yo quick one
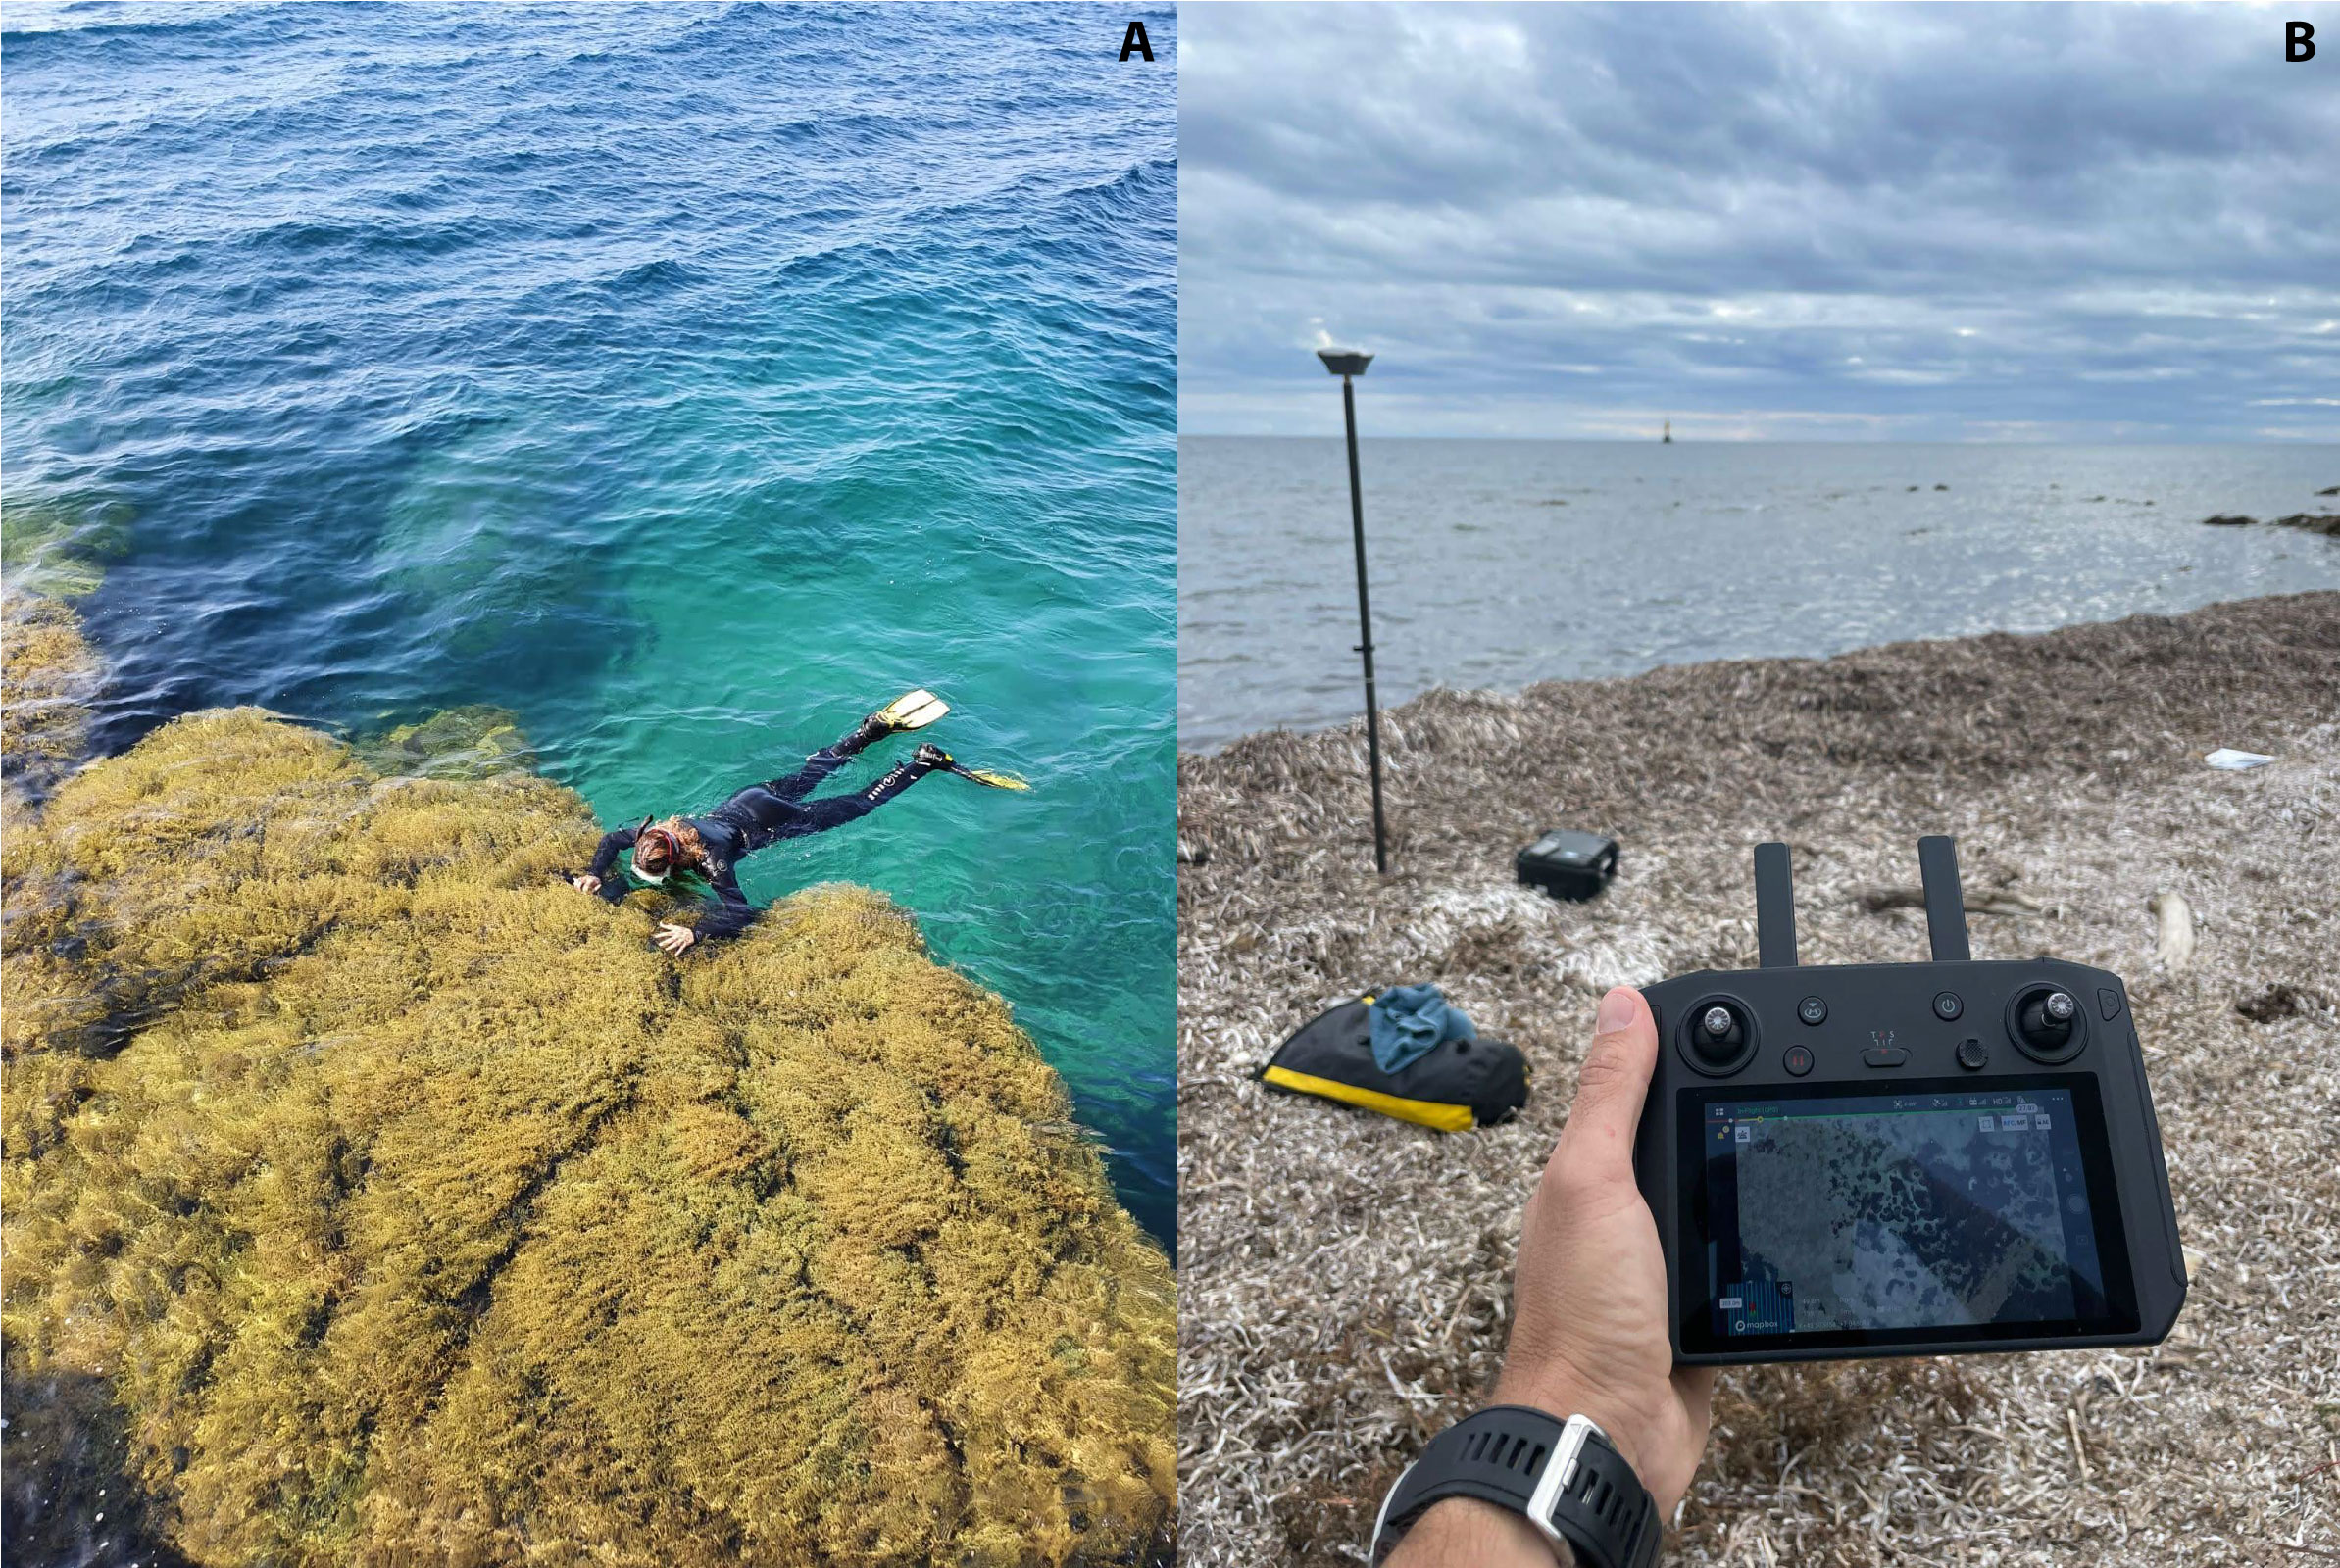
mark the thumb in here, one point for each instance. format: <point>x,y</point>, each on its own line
<point>1611,1088</point>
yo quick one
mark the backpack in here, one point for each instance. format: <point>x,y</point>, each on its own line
<point>1459,1084</point>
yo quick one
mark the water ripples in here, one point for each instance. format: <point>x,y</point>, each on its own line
<point>682,378</point>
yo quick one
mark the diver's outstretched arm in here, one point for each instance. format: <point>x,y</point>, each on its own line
<point>732,913</point>
<point>605,861</point>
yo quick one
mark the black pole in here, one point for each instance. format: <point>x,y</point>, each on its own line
<point>1365,624</point>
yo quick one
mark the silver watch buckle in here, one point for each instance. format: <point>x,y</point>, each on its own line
<point>1558,1471</point>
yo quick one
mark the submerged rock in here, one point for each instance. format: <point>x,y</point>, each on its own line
<point>57,546</point>
<point>475,741</point>
<point>413,1208</point>
<point>2228,520</point>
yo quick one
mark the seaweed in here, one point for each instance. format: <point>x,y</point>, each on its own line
<point>413,1207</point>
<point>1359,1269</point>
<point>58,546</point>
<point>47,674</point>
<point>474,741</point>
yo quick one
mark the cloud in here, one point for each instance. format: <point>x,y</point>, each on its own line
<point>1913,222</point>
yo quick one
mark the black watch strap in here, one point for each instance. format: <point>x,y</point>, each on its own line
<point>1564,1476</point>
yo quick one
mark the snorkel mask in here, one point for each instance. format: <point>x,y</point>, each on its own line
<point>655,854</point>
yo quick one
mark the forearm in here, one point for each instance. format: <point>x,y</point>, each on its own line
<point>606,856</point>
<point>1463,1533</point>
<point>730,915</point>
<point>1588,1319</point>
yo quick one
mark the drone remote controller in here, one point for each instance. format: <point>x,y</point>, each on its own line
<point>1907,1159</point>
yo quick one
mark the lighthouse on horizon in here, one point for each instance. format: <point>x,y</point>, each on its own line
<point>1667,438</point>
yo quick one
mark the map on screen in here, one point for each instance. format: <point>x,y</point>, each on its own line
<point>1876,1213</point>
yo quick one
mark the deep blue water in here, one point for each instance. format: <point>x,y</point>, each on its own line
<point>1497,564</point>
<point>686,378</point>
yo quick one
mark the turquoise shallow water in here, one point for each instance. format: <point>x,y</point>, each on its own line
<point>688,380</point>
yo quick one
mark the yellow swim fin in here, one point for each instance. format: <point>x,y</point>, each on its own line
<point>911,710</point>
<point>930,754</point>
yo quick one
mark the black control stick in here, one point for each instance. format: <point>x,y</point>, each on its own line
<point>1721,1036</point>
<point>2045,1019</point>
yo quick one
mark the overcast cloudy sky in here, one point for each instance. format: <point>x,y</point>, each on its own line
<point>1918,222</point>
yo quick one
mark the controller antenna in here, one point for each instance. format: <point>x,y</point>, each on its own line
<point>1945,905</point>
<point>1775,908</point>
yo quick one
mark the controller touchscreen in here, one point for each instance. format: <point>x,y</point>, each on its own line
<point>1865,1212</point>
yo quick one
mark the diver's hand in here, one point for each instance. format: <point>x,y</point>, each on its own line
<point>588,883</point>
<point>675,938</point>
<point>1589,1313</point>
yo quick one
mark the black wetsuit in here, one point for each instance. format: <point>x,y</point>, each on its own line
<point>758,816</point>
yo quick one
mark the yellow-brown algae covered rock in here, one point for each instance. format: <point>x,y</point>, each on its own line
<point>46,675</point>
<point>415,1209</point>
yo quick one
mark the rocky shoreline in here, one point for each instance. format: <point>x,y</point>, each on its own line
<point>1344,1278</point>
<point>2326,523</point>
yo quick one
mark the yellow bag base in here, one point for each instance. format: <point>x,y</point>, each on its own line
<point>1426,1112</point>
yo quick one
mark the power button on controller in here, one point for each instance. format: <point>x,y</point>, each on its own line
<point>1947,1006</point>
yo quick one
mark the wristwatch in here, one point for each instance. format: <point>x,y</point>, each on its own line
<point>1565,1476</point>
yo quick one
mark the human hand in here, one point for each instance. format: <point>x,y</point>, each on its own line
<point>1588,1308</point>
<point>675,938</point>
<point>588,883</point>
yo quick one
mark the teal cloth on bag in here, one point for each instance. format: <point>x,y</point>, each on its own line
<point>1409,1021</point>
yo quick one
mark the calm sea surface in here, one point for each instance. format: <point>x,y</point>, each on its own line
<point>686,378</point>
<point>1497,564</point>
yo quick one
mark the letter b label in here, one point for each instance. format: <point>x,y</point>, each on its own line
<point>2299,40</point>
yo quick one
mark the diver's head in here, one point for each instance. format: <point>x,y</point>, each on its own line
<point>657,851</point>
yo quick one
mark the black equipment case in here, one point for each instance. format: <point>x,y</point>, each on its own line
<point>1568,864</point>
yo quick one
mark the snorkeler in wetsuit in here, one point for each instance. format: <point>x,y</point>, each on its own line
<point>700,855</point>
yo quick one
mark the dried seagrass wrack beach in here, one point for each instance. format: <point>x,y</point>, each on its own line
<point>1345,1276</point>
<point>373,1196</point>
